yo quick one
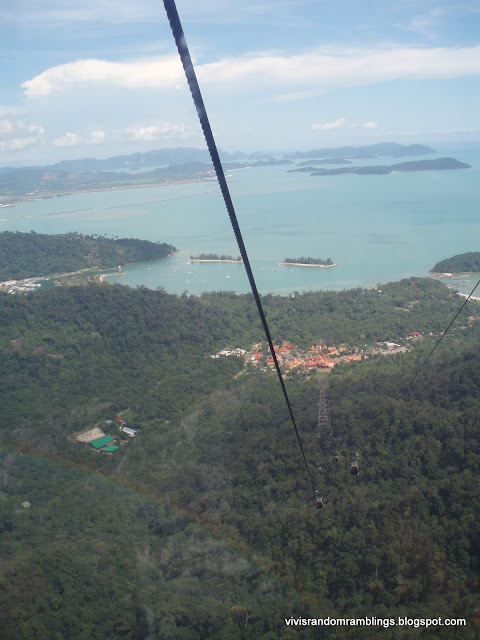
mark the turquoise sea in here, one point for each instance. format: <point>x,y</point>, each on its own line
<point>375,228</point>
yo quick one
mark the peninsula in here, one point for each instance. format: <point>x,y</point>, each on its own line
<point>308,262</point>
<point>30,255</point>
<point>214,257</point>
<point>461,263</point>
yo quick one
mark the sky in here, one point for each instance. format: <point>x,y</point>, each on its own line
<point>99,78</point>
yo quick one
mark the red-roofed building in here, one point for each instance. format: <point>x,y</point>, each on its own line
<point>328,364</point>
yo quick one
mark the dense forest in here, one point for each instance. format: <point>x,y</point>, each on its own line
<point>463,262</point>
<point>203,527</point>
<point>216,256</point>
<point>26,255</point>
<point>308,260</point>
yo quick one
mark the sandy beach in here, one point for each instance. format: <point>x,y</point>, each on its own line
<point>301,264</point>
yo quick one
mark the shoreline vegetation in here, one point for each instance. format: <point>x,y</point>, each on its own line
<point>214,257</point>
<point>461,263</point>
<point>308,262</point>
<point>33,255</point>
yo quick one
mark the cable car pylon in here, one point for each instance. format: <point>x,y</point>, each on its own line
<point>322,410</point>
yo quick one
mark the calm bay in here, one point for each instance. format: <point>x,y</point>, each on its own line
<point>376,228</point>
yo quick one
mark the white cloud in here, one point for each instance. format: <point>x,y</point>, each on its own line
<point>162,131</point>
<point>17,135</point>
<point>96,137</point>
<point>155,73</point>
<point>68,140</point>
<point>370,125</point>
<point>329,126</point>
<point>321,69</point>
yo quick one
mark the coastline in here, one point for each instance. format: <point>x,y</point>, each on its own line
<point>464,295</point>
<point>49,196</point>
<point>453,274</point>
<point>301,264</point>
<point>94,271</point>
<point>102,276</point>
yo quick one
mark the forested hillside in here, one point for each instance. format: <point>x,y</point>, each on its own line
<point>463,262</point>
<point>203,527</point>
<point>26,255</point>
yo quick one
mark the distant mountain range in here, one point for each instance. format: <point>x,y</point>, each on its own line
<point>370,151</point>
<point>182,155</point>
<point>139,161</point>
<point>163,166</point>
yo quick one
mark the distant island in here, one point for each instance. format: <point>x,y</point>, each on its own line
<point>215,257</point>
<point>308,163</point>
<point>308,262</point>
<point>30,255</point>
<point>392,149</point>
<point>414,165</point>
<point>461,263</point>
<point>166,166</point>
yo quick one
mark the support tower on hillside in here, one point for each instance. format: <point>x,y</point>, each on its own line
<point>322,410</point>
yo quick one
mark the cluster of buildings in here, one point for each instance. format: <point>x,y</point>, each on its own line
<point>106,444</point>
<point>291,357</point>
<point>22,286</point>
<point>227,352</point>
<point>122,425</point>
<point>100,442</point>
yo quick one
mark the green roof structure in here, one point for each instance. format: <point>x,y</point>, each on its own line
<point>112,447</point>
<point>101,442</point>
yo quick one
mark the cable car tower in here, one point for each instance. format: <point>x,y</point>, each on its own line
<point>322,410</point>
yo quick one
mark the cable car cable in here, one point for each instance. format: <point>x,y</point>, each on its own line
<point>184,54</point>
<point>436,344</point>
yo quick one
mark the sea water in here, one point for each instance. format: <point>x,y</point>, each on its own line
<point>376,228</point>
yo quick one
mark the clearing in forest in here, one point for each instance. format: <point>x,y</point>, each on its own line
<point>89,435</point>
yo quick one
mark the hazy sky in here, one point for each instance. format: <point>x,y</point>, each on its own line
<point>99,78</point>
